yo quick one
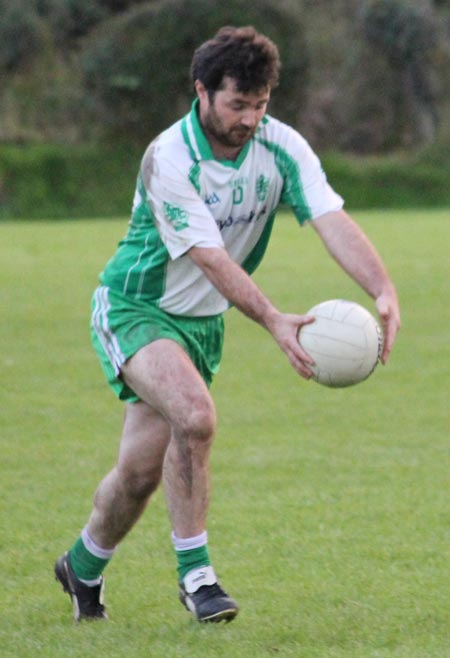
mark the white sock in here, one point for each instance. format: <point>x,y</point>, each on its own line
<point>188,543</point>
<point>103,553</point>
<point>91,546</point>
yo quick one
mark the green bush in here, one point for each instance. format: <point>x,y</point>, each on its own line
<point>137,64</point>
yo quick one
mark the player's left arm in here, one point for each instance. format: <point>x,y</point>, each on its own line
<point>353,251</point>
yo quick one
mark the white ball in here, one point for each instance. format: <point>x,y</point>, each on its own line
<point>345,342</point>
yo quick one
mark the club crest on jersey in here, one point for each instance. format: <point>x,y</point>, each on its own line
<point>177,216</point>
<point>262,187</point>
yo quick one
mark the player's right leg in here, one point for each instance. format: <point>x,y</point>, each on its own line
<point>124,493</point>
<point>119,501</point>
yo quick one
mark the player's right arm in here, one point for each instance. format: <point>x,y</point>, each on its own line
<point>200,239</point>
<point>236,285</point>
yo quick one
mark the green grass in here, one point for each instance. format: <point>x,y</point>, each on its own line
<point>330,517</point>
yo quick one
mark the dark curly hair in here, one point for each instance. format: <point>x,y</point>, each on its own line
<point>241,53</point>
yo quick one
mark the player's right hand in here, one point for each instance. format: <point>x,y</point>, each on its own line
<point>285,329</point>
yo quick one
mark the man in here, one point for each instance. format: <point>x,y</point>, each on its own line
<point>205,202</point>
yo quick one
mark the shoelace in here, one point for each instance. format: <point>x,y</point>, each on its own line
<point>208,591</point>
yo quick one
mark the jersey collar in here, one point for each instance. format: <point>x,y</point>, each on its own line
<point>198,144</point>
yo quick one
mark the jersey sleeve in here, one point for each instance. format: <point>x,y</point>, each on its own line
<point>182,218</point>
<point>305,188</point>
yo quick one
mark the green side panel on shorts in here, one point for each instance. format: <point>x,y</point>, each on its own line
<point>121,390</point>
<point>293,194</point>
<point>139,265</point>
<point>256,255</point>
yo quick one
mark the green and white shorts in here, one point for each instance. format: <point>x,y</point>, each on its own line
<point>121,326</point>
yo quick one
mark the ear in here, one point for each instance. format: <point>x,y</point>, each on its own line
<point>202,94</point>
<point>200,88</point>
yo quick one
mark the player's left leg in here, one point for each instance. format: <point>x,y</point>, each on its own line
<point>163,374</point>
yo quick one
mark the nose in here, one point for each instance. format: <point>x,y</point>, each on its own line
<point>249,118</point>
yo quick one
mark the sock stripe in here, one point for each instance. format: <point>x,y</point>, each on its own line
<point>189,543</point>
<point>91,546</point>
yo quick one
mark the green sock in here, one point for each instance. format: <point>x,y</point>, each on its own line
<point>192,559</point>
<point>85,565</point>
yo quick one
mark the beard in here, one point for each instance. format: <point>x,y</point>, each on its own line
<point>236,136</point>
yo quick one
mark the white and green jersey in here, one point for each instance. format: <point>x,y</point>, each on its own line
<point>185,197</point>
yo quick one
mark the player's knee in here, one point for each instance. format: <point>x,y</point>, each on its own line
<point>199,422</point>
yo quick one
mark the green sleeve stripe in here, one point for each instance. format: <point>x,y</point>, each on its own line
<point>293,193</point>
<point>185,133</point>
<point>194,172</point>
<point>194,176</point>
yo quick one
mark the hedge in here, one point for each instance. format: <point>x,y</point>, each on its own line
<point>388,182</point>
<point>96,181</point>
<point>55,181</point>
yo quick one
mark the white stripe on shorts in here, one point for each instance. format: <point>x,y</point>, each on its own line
<point>101,326</point>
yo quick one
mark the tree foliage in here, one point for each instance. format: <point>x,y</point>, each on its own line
<point>137,65</point>
<point>72,19</point>
<point>405,33</point>
<point>22,34</point>
<point>362,75</point>
<point>394,83</point>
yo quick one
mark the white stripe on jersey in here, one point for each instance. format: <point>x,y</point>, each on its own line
<point>101,326</point>
<point>192,139</point>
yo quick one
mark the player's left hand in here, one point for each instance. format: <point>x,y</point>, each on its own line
<point>389,312</point>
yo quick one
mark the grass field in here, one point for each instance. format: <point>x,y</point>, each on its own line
<point>330,518</point>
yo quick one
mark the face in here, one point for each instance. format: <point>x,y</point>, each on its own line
<point>232,117</point>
